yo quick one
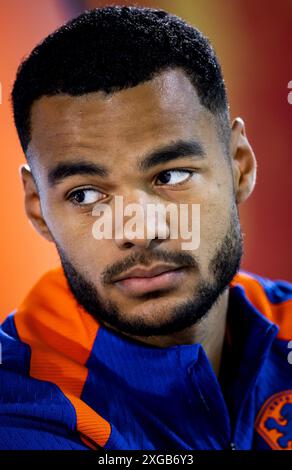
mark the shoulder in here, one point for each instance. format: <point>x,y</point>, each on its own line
<point>34,414</point>
<point>272,298</point>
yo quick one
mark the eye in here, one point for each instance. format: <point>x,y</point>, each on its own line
<point>84,196</point>
<point>173,177</point>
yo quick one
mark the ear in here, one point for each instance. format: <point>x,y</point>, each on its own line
<point>32,202</point>
<point>243,161</point>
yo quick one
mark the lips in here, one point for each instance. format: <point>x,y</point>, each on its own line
<point>140,272</point>
<point>140,281</point>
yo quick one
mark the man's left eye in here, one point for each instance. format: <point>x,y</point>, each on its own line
<point>83,197</point>
<point>172,177</point>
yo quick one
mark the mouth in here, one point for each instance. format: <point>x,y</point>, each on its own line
<point>140,281</point>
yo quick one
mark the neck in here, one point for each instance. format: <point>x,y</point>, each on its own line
<point>209,332</point>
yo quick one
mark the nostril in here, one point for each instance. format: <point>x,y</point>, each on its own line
<point>128,245</point>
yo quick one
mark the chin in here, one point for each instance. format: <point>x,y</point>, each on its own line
<point>151,309</point>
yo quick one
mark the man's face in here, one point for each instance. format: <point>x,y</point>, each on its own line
<point>116,133</point>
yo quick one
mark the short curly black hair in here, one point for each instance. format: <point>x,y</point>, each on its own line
<point>113,48</point>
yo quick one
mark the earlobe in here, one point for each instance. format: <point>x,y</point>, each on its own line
<point>243,161</point>
<point>32,202</point>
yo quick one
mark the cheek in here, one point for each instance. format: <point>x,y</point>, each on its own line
<point>69,225</point>
<point>215,211</point>
<point>89,257</point>
<point>73,234</point>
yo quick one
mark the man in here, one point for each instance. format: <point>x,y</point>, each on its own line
<point>135,342</point>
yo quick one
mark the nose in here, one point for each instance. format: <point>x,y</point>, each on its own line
<point>140,221</point>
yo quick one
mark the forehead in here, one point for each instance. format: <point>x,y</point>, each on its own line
<point>153,112</point>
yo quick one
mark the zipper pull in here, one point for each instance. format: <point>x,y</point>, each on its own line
<point>231,446</point>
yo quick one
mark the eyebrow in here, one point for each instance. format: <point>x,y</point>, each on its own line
<point>66,169</point>
<point>174,151</point>
<point>170,152</point>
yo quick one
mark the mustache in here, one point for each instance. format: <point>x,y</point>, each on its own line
<point>146,259</point>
